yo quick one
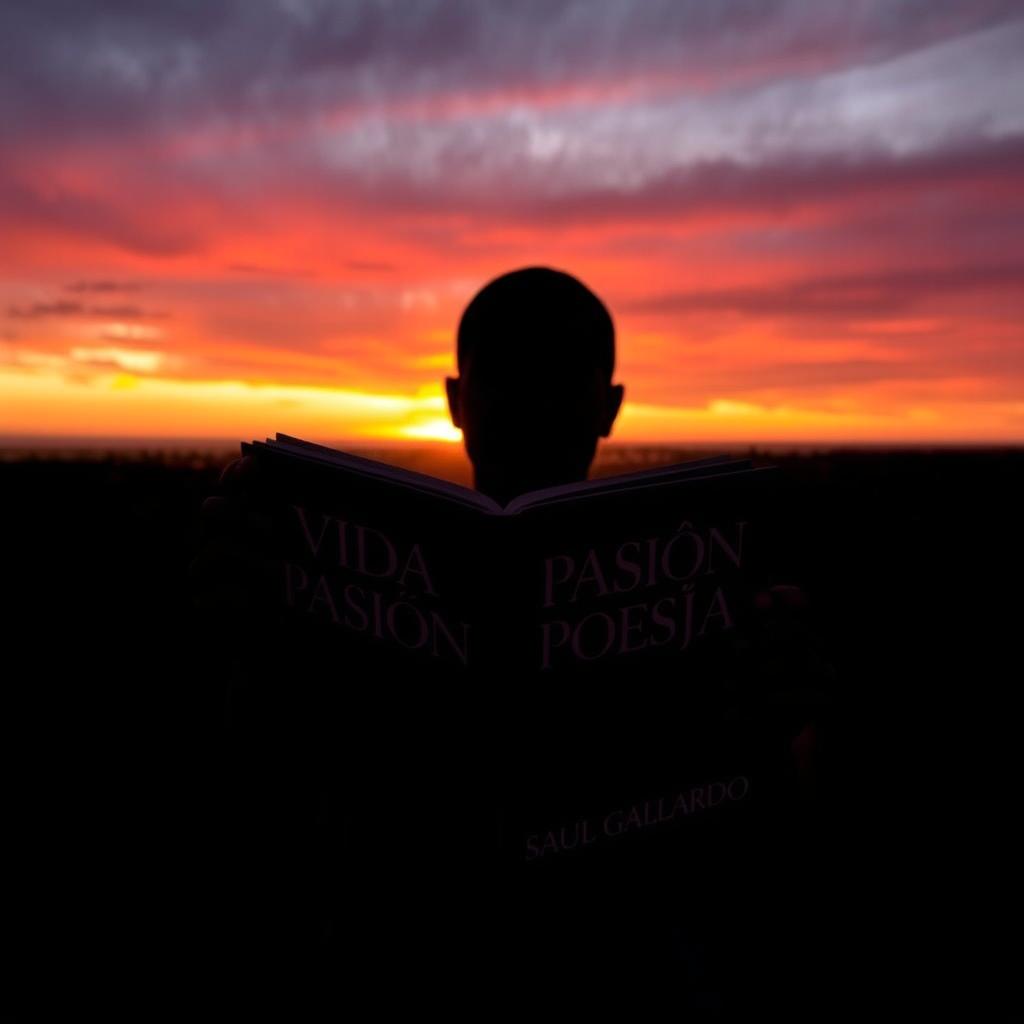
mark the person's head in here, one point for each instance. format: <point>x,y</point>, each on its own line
<point>536,352</point>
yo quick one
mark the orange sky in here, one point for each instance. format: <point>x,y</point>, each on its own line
<point>235,223</point>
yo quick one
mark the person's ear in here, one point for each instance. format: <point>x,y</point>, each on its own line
<point>452,387</point>
<point>613,402</point>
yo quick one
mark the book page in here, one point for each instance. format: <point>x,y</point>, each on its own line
<point>371,467</point>
<point>706,467</point>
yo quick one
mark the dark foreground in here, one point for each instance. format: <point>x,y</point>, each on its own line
<point>130,867</point>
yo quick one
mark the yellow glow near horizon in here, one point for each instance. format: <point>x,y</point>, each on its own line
<point>105,404</point>
<point>125,405</point>
<point>435,429</point>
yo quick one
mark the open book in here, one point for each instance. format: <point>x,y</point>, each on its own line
<point>566,669</point>
<point>576,578</point>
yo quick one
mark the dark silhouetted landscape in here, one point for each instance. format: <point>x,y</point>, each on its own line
<point>123,777</point>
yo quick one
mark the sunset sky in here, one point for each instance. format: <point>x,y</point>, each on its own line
<point>226,219</point>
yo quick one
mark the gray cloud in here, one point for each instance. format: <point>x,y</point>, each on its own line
<point>40,310</point>
<point>127,312</point>
<point>217,110</point>
<point>259,270</point>
<point>64,308</point>
<point>78,68</point>
<point>727,186</point>
<point>869,295</point>
<point>103,286</point>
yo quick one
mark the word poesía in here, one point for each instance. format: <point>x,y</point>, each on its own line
<point>677,564</point>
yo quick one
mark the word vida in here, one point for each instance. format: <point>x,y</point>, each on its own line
<point>685,563</point>
<point>361,552</point>
<point>625,820</point>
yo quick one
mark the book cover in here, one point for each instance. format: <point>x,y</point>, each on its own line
<point>559,681</point>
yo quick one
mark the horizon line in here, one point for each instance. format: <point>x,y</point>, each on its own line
<point>27,442</point>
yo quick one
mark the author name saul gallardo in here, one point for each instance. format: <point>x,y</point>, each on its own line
<point>661,811</point>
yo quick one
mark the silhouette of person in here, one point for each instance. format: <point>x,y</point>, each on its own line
<point>533,397</point>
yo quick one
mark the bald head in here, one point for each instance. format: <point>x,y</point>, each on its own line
<point>536,352</point>
<point>538,317</point>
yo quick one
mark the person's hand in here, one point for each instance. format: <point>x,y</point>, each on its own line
<point>231,574</point>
